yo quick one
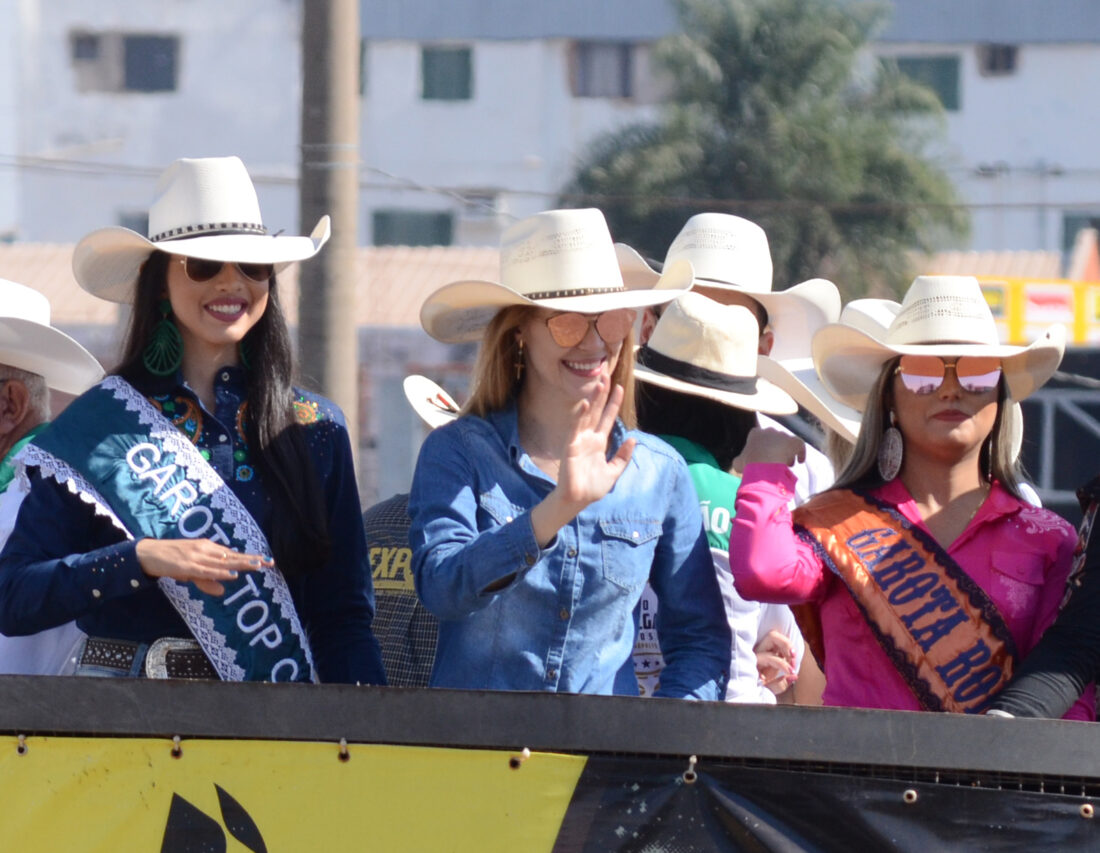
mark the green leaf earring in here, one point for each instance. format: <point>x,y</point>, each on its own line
<point>164,353</point>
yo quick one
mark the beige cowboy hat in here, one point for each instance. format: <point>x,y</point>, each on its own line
<point>940,315</point>
<point>731,253</point>
<point>706,349</point>
<point>202,208</point>
<point>558,259</point>
<point>434,405</point>
<point>28,342</point>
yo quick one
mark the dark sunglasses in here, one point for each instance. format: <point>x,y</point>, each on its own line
<point>570,328</point>
<point>200,269</point>
<point>924,374</point>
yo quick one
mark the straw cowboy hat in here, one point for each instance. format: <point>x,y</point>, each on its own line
<point>202,208</point>
<point>558,259</point>
<point>731,253</point>
<point>28,342</point>
<point>705,349</point>
<point>434,405</point>
<point>940,315</point>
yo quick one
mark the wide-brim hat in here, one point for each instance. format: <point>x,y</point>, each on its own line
<point>706,349</point>
<point>28,342</point>
<point>202,208</point>
<point>940,315</point>
<point>730,253</point>
<point>434,405</point>
<point>563,260</point>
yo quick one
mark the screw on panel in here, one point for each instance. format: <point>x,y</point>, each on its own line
<point>21,748</point>
<point>516,761</point>
<point>910,796</point>
<point>177,750</point>
<point>690,775</point>
<point>345,754</point>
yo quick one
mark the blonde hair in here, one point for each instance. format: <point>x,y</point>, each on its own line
<point>996,460</point>
<point>495,384</point>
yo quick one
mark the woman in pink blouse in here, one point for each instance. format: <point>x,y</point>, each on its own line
<point>923,577</point>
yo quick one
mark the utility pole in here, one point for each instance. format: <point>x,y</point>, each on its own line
<point>329,183</point>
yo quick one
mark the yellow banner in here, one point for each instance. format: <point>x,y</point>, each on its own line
<point>118,794</point>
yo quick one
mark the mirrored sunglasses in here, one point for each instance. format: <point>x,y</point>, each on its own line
<point>924,374</point>
<point>570,328</point>
<point>200,269</point>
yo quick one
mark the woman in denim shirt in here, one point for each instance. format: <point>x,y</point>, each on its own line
<point>538,516</point>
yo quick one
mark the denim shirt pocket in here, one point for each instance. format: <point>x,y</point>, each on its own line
<point>627,547</point>
<point>495,505</point>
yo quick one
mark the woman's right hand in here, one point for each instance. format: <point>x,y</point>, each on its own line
<point>202,562</point>
<point>770,445</point>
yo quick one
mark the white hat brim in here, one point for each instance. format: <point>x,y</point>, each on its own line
<point>65,364</point>
<point>106,262</point>
<point>434,405</point>
<point>459,312</point>
<point>799,379</point>
<point>849,360</point>
<point>767,398</point>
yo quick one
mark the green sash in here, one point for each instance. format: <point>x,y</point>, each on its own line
<point>115,450</point>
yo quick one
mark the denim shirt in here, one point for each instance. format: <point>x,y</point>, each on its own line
<point>63,562</point>
<point>562,618</point>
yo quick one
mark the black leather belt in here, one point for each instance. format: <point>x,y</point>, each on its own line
<point>168,657</point>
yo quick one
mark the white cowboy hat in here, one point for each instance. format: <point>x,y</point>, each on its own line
<point>940,315</point>
<point>558,259</point>
<point>706,349</point>
<point>731,253</point>
<point>202,208</point>
<point>28,342</point>
<point>434,405</point>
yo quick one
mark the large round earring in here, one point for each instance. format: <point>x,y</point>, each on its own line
<point>519,361</point>
<point>890,452</point>
<point>164,353</point>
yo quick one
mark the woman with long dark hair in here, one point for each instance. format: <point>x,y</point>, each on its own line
<point>924,574</point>
<point>196,514</point>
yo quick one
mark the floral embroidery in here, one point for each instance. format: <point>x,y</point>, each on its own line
<point>306,411</point>
<point>184,413</point>
<point>1039,520</point>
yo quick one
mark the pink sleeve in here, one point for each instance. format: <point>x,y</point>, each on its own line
<point>768,561</point>
<point>1054,588</point>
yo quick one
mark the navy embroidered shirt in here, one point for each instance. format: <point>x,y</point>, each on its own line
<point>63,562</point>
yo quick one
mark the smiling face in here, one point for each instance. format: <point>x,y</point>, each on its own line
<point>214,316</point>
<point>564,374</point>
<point>947,425</point>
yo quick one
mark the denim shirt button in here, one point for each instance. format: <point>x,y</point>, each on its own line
<point>508,519</point>
<point>222,437</point>
<point>96,593</point>
<point>564,614</point>
<point>572,552</point>
<point>551,673</point>
<point>529,559</point>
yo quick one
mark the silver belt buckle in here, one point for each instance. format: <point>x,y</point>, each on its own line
<point>156,664</point>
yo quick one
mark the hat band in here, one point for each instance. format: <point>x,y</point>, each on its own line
<point>688,372</point>
<point>209,229</point>
<point>584,291</point>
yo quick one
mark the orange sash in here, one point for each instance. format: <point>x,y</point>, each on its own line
<point>940,629</point>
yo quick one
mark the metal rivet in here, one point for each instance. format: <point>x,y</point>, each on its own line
<point>508,518</point>
<point>634,535</point>
<point>1087,810</point>
<point>135,583</point>
<point>96,593</point>
<point>690,775</point>
<point>21,749</point>
<point>910,796</point>
<point>177,750</point>
<point>516,761</point>
<point>345,754</point>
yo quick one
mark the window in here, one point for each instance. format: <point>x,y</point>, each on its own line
<point>134,220</point>
<point>124,62</point>
<point>939,73</point>
<point>412,228</point>
<point>996,60</point>
<point>1072,224</point>
<point>446,73</point>
<point>602,70</point>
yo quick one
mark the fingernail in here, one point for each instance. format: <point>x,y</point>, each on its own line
<point>254,563</point>
<point>232,574</point>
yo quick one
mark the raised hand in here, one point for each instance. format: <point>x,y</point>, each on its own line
<point>770,445</point>
<point>775,661</point>
<point>585,474</point>
<point>203,562</point>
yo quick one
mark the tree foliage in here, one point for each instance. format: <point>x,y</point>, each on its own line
<point>779,113</point>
